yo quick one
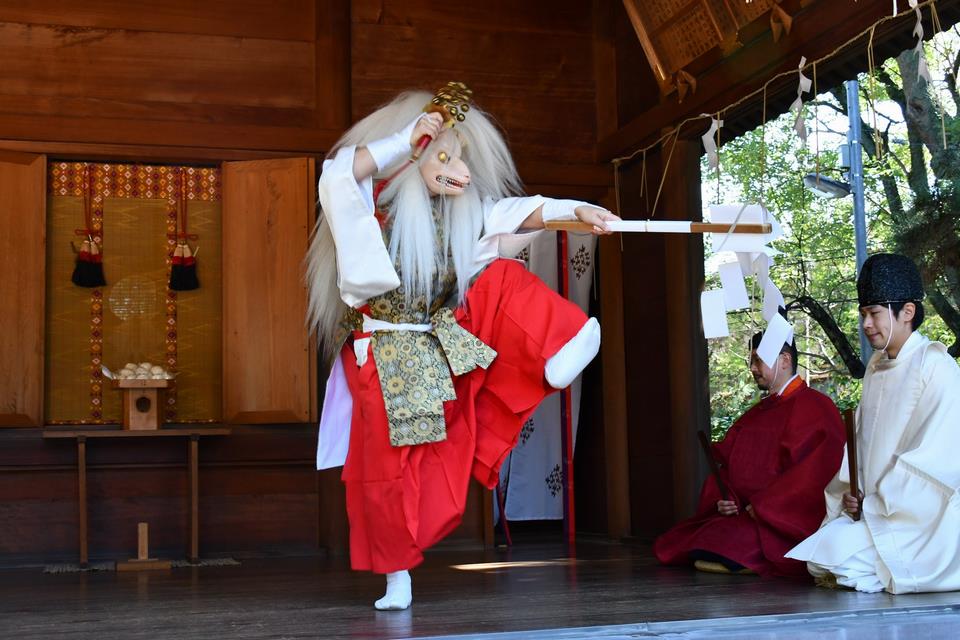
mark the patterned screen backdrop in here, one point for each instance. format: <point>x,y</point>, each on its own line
<point>135,317</point>
<point>531,476</point>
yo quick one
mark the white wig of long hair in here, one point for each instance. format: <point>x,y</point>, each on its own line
<point>408,206</point>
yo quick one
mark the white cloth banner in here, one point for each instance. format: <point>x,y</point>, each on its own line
<point>803,86</point>
<point>922,70</point>
<point>772,300</point>
<point>710,142</point>
<point>713,313</point>
<point>777,333</point>
<point>734,289</point>
<point>532,476</point>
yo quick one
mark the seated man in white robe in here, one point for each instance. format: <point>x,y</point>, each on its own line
<point>907,538</point>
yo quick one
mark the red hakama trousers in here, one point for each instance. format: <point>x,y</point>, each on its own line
<point>402,500</point>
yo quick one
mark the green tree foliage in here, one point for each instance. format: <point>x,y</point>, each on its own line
<point>913,207</point>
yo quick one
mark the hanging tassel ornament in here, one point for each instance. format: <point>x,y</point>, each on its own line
<point>81,266</point>
<point>88,268</point>
<point>183,266</point>
<point>176,269</point>
<point>190,281</point>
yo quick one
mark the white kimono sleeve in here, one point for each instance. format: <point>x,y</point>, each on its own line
<point>364,268</point>
<point>502,219</point>
<point>333,440</point>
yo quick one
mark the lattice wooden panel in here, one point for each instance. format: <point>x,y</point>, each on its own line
<point>674,33</point>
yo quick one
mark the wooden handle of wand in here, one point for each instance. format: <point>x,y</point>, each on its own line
<point>850,424</point>
<point>705,445</point>
<point>422,144</point>
<point>661,226</point>
<point>568,225</point>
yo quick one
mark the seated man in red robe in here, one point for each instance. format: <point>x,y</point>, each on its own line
<point>774,462</point>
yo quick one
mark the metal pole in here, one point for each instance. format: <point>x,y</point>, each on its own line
<point>856,188</point>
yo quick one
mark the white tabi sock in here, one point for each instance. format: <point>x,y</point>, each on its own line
<point>574,356</point>
<point>399,593</point>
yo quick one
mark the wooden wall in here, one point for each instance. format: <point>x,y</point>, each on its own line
<point>179,81</point>
<point>244,79</point>
<point>174,78</point>
<point>23,178</point>
<point>257,493</point>
<point>529,64</point>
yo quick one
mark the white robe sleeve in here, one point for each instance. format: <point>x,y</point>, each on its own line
<point>333,440</point>
<point>502,219</point>
<point>909,534</point>
<point>364,268</point>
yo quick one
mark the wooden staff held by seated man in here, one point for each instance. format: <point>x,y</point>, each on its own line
<point>900,531</point>
<point>775,462</point>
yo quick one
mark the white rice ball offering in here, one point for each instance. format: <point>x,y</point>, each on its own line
<point>156,371</point>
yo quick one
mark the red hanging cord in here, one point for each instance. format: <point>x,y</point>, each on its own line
<point>183,206</point>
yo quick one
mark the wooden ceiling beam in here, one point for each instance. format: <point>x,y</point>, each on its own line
<point>817,30</point>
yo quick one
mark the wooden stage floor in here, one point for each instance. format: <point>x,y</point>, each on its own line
<point>532,591</point>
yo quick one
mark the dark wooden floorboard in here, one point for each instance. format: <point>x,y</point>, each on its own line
<point>319,598</point>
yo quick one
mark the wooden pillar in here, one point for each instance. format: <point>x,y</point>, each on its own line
<point>614,388</point>
<point>143,541</point>
<point>687,372</point>
<point>82,498</point>
<point>333,87</point>
<point>605,68</point>
<point>194,553</point>
<point>612,349</point>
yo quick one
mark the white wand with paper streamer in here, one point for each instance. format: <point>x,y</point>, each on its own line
<point>740,239</point>
<point>741,227</point>
<point>660,226</point>
<point>737,256</point>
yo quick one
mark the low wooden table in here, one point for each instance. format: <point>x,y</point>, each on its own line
<point>194,435</point>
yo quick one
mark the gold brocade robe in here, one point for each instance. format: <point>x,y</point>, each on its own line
<point>415,367</point>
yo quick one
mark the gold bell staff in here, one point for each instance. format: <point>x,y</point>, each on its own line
<point>661,226</point>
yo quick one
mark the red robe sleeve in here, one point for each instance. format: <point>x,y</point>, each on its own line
<point>792,506</point>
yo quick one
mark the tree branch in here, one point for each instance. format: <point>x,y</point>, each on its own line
<point>837,338</point>
<point>923,124</point>
<point>950,317</point>
<point>825,103</point>
<point>951,79</point>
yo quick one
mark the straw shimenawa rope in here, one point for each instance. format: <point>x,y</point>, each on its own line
<point>675,132</point>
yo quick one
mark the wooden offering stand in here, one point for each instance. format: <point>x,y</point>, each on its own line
<point>141,402</point>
